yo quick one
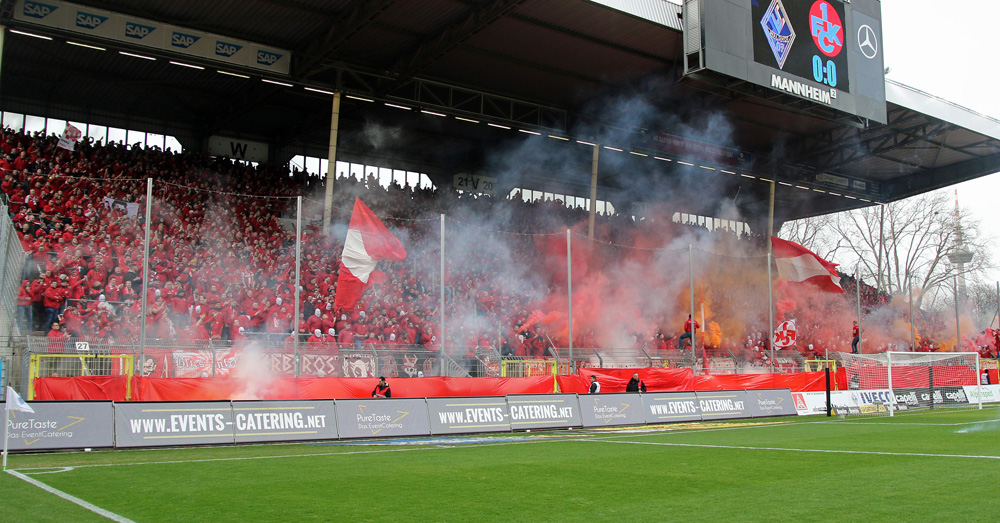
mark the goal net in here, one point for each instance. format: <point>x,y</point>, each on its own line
<point>917,380</point>
<point>516,367</point>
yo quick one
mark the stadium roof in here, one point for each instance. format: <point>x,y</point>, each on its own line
<point>553,67</point>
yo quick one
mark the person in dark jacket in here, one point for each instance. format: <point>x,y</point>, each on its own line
<point>635,384</point>
<point>382,389</point>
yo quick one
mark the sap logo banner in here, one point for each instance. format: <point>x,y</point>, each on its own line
<point>138,31</point>
<point>38,9</point>
<point>267,58</point>
<point>226,49</point>
<point>89,20</point>
<point>183,40</point>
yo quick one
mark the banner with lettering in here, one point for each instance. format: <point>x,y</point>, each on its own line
<point>462,415</point>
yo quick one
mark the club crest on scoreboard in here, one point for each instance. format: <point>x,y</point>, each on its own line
<point>778,30</point>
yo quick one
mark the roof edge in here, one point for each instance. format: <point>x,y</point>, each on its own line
<point>662,12</point>
<point>937,107</point>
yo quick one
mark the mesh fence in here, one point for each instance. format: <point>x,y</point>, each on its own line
<point>221,359</point>
<point>13,319</point>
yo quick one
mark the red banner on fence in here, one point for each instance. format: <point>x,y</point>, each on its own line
<point>272,387</point>
<point>81,388</point>
<point>679,380</point>
<point>657,379</point>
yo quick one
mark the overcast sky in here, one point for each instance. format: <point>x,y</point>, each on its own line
<point>943,48</point>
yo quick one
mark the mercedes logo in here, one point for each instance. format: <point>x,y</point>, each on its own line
<point>867,41</point>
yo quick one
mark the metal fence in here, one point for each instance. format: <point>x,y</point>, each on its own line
<point>12,266</point>
<point>12,258</point>
<point>216,359</point>
<point>261,357</point>
<point>713,361</point>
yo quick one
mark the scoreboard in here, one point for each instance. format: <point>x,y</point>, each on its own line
<point>825,51</point>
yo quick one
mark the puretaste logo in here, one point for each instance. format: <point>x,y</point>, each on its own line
<point>38,9</point>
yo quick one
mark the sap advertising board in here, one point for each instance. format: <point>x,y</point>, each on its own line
<point>826,51</point>
<point>109,25</point>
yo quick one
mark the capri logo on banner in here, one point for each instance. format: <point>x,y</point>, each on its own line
<point>38,9</point>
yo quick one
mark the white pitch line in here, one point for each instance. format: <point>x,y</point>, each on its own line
<point>61,470</point>
<point>242,458</point>
<point>599,436</point>
<point>908,424</point>
<point>588,436</point>
<point>317,454</point>
<point>780,449</point>
<point>72,499</point>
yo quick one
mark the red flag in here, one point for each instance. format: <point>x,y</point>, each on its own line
<point>798,264</point>
<point>69,137</point>
<point>368,240</point>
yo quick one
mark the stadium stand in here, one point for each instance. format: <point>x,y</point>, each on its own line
<point>222,264</point>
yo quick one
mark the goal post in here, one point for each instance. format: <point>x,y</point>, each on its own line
<point>514,367</point>
<point>917,380</point>
<point>73,365</point>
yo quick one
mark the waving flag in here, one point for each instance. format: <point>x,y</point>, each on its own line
<point>16,402</point>
<point>69,137</point>
<point>368,240</point>
<point>785,334</point>
<point>798,264</point>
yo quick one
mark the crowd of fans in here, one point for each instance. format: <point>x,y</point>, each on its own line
<point>222,257</point>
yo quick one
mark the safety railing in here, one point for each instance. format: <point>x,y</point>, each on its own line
<point>249,357</point>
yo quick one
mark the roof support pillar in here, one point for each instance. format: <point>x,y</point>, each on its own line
<point>331,168</point>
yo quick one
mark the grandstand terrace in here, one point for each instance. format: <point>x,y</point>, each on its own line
<point>392,104</point>
<point>222,266</point>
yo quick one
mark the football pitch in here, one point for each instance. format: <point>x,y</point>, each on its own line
<point>920,466</point>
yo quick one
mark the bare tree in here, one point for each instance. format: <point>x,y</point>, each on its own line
<point>903,245</point>
<point>983,298</point>
<point>814,234</point>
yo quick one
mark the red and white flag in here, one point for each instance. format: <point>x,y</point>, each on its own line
<point>798,264</point>
<point>785,334</point>
<point>69,137</point>
<point>368,240</point>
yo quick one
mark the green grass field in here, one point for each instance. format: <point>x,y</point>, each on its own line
<point>930,466</point>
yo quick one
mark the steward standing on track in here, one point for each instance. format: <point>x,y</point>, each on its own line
<point>635,384</point>
<point>595,387</point>
<point>382,389</point>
